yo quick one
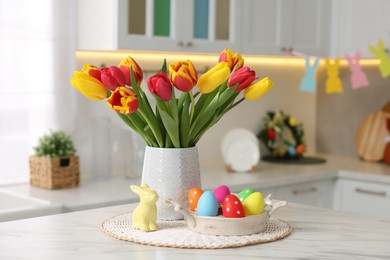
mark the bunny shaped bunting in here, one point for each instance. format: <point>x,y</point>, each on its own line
<point>381,54</point>
<point>358,77</point>
<point>333,83</point>
<point>308,83</point>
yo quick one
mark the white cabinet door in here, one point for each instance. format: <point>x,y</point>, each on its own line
<point>319,194</point>
<point>271,26</point>
<point>162,25</point>
<point>357,24</point>
<point>364,198</point>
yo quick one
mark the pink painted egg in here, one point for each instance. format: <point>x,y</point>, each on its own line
<point>221,192</point>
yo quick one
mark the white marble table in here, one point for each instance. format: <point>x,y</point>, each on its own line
<point>317,234</point>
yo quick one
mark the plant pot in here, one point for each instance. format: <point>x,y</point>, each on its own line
<point>54,172</point>
<point>171,172</point>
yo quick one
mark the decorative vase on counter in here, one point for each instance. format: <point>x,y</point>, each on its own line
<point>171,172</point>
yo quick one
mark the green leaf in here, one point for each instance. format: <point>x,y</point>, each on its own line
<point>203,101</point>
<point>185,125</point>
<point>164,67</point>
<point>171,127</point>
<point>204,118</point>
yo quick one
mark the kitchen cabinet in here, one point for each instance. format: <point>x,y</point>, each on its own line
<point>163,25</point>
<point>357,24</point>
<point>317,193</point>
<point>363,197</point>
<point>271,26</point>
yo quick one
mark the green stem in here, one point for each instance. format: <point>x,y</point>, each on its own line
<point>192,105</point>
<point>156,132</point>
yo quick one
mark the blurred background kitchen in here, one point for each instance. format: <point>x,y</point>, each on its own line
<point>43,41</point>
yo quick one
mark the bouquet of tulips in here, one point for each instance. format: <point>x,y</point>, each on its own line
<point>175,122</point>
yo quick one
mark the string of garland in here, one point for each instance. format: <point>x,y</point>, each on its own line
<point>277,127</point>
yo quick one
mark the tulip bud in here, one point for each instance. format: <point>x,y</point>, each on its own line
<point>243,77</point>
<point>88,86</point>
<point>232,58</point>
<point>213,78</point>
<point>258,89</point>
<point>183,75</point>
<point>125,66</point>
<point>123,100</point>
<point>112,77</point>
<point>92,71</point>
<point>160,85</point>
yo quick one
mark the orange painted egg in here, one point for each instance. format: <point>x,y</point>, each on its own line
<point>300,149</point>
<point>193,197</point>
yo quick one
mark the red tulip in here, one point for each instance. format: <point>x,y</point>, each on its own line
<point>112,77</point>
<point>243,77</point>
<point>160,85</point>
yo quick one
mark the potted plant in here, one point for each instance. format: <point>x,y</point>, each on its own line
<point>54,165</point>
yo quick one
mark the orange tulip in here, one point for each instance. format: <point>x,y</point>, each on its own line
<point>125,66</point>
<point>92,71</point>
<point>183,75</point>
<point>232,58</point>
<point>123,100</point>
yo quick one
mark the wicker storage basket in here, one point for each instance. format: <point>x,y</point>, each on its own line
<point>55,172</point>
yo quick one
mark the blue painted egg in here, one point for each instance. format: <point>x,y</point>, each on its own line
<point>207,205</point>
<point>291,151</point>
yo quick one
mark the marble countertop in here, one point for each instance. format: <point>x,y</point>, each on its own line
<point>94,193</point>
<point>317,234</point>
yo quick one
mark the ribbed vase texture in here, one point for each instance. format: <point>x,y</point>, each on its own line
<point>171,172</point>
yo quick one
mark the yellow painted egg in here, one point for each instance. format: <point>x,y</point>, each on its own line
<point>254,204</point>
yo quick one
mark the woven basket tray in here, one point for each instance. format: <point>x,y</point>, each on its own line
<point>54,173</point>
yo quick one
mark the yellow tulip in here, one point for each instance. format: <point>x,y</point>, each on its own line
<point>214,77</point>
<point>88,86</point>
<point>258,89</point>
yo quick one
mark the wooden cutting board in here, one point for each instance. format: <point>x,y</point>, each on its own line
<point>386,108</point>
<point>370,136</point>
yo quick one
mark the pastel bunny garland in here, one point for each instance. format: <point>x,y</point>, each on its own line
<point>380,53</point>
<point>358,77</point>
<point>333,83</point>
<point>308,83</point>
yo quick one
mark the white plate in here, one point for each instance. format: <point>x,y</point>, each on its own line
<point>240,150</point>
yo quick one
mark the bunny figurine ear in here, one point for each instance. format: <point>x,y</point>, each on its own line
<point>135,189</point>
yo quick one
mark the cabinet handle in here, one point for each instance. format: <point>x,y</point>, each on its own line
<point>180,43</point>
<point>304,190</point>
<point>189,44</point>
<point>372,192</point>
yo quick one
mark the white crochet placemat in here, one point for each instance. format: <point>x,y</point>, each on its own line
<point>176,234</point>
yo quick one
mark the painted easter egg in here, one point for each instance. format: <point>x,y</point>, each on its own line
<point>232,207</point>
<point>292,151</point>
<point>245,193</point>
<point>300,149</point>
<point>193,197</point>
<point>207,205</point>
<point>254,204</point>
<point>221,192</point>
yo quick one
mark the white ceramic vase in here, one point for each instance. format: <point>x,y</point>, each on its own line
<point>171,172</point>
